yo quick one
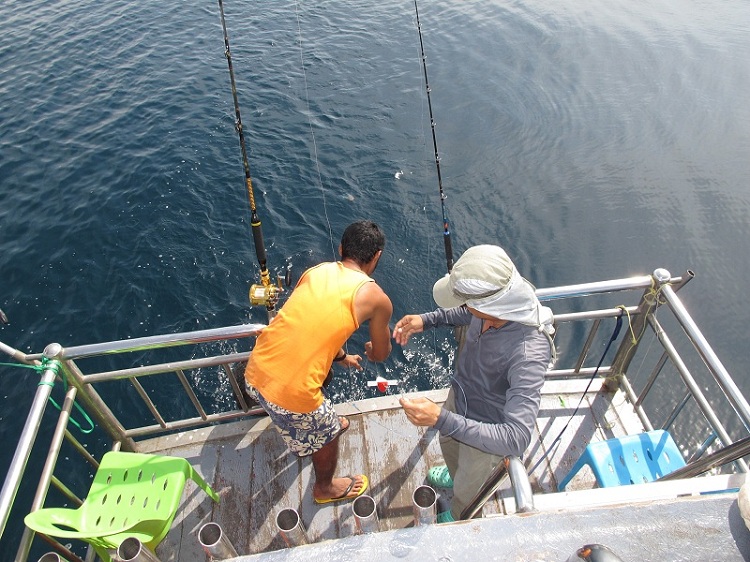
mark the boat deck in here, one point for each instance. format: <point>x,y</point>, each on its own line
<point>247,463</point>
<point>697,527</point>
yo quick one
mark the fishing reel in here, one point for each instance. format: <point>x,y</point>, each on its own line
<point>265,293</point>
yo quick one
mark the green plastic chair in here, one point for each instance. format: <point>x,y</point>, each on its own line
<point>132,495</point>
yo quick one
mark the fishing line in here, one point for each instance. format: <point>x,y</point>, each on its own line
<point>312,132</point>
<point>334,254</point>
<point>556,441</point>
<point>446,225</point>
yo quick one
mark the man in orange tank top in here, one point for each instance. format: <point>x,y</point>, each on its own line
<point>294,353</point>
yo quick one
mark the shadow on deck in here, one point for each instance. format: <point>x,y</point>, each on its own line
<point>247,463</point>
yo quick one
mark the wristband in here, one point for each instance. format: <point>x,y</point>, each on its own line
<point>337,358</point>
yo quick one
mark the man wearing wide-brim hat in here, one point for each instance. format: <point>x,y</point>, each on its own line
<point>496,388</point>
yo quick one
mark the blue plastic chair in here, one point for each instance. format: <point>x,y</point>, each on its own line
<point>633,459</point>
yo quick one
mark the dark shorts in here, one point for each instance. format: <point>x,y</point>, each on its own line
<point>304,434</point>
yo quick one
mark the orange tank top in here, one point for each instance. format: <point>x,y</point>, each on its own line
<point>293,354</point>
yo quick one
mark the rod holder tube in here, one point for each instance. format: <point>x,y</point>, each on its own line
<point>133,550</point>
<point>365,515</point>
<point>492,483</point>
<point>290,526</point>
<point>52,557</point>
<point>215,543</point>
<point>424,503</point>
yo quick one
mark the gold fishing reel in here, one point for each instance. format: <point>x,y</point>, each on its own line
<point>266,294</point>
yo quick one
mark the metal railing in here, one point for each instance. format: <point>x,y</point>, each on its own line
<point>519,482</point>
<point>69,358</point>
<point>63,363</point>
<point>658,289</point>
<point>651,291</point>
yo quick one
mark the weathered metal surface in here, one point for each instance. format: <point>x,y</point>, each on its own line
<point>595,420</point>
<point>703,528</point>
<point>248,464</point>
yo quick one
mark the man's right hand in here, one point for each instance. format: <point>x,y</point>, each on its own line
<point>421,411</point>
<point>408,325</point>
<point>351,361</point>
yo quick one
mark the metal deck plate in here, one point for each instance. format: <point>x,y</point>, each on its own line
<point>707,529</point>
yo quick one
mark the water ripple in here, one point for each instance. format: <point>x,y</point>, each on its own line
<point>591,139</point>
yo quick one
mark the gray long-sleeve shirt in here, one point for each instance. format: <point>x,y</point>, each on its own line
<point>497,383</point>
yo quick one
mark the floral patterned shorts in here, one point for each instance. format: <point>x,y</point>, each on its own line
<point>304,434</point>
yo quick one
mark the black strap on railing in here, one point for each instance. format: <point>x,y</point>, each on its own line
<point>613,337</point>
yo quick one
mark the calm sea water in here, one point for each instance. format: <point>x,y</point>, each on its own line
<point>591,139</point>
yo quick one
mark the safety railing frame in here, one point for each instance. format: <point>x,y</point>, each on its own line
<point>661,283</point>
<point>82,385</point>
<point>107,419</point>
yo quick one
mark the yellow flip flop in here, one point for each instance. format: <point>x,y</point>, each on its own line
<point>345,496</point>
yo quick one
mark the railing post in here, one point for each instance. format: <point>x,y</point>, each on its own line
<point>694,391</point>
<point>91,399</point>
<point>492,483</point>
<point>730,453</point>
<point>519,482</point>
<point>24,545</point>
<point>646,306</point>
<point>715,366</point>
<point>25,443</point>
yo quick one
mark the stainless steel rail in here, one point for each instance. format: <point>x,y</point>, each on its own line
<point>715,366</point>
<point>655,286</point>
<point>25,443</point>
<point>598,287</point>
<point>655,291</point>
<point>160,342</point>
<point>728,454</point>
<point>49,466</point>
<point>519,481</point>
<point>98,408</point>
<point>109,421</point>
<point>693,389</point>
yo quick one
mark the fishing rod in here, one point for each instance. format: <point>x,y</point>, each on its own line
<point>264,293</point>
<point>446,226</point>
